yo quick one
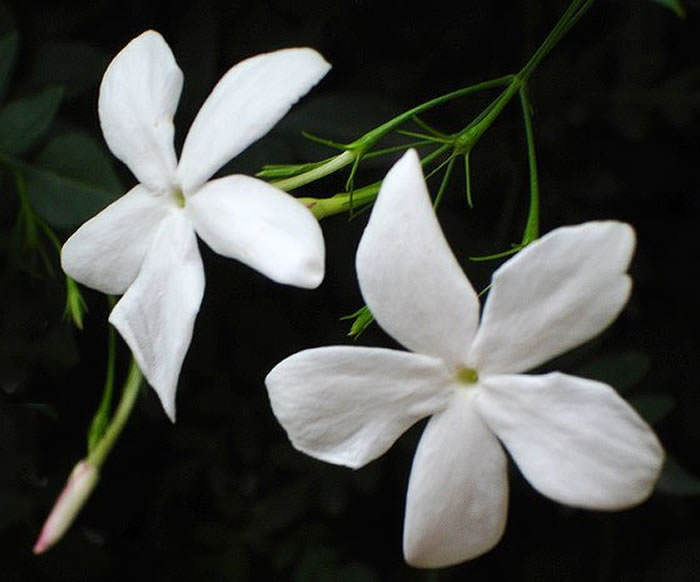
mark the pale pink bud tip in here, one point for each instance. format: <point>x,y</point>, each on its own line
<point>76,492</point>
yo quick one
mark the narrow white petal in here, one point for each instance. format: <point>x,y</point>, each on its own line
<point>457,500</point>
<point>138,98</point>
<point>347,405</point>
<point>106,252</point>
<point>408,276</point>
<point>557,293</point>
<point>248,100</point>
<point>575,440</point>
<point>157,313</point>
<point>267,229</point>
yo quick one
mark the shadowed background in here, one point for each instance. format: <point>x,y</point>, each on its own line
<point>222,495</point>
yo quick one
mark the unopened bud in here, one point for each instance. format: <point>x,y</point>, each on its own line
<point>78,488</point>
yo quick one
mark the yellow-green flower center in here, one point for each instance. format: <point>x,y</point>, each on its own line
<point>467,376</point>
<point>179,197</point>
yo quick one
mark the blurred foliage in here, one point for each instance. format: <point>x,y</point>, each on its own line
<point>222,495</point>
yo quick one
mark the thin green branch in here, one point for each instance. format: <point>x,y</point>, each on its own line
<point>98,426</point>
<point>445,180</point>
<point>339,203</point>
<point>101,450</point>
<point>423,136</point>
<point>332,165</point>
<point>572,14</point>
<point>398,148</point>
<point>429,128</point>
<point>468,180</point>
<point>323,141</point>
<point>532,225</point>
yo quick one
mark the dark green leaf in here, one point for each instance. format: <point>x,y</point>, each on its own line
<point>78,155</point>
<point>675,6</point>
<point>8,55</point>
<point>653,407</point>
<point>357,572</point>
<point>72,180</point>
<point>75,66</point>
<point>7,20</point>
<point>621,371</point>
<point>676,480</point>
<point>282,507</point>
<point>24,121</point>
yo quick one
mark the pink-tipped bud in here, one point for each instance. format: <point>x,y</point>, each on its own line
<point>78,488</point>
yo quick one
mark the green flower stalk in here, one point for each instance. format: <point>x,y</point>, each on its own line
<point>85,474</point>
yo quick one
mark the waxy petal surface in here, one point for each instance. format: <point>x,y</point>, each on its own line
<point>248,100</point>
<point>347,405</point>
<point>575,440</point>
<point>267,229</point>
<point>457,500</point>
<point>107,251</point>
<point>138,97</point>
<point>408,276</point>
<point>157,313</point>
<point>557,293</point>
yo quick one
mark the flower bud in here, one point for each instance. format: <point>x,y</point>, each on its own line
<point>78,488</point>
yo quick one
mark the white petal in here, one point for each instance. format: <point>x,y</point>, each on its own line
<point>248,100</point>
<point>138,98</point>
<point>347,405</point>
<point>408,276</point>
<point>106,252</point>
<point>575,440</point>
<point>157,313</point>
<point>557,293</point>
<point>457,500</point>
<point>267,229</point>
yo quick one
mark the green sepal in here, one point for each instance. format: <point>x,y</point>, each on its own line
<point>363,318</point>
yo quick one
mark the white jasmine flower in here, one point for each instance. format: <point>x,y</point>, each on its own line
<point>144,244</point>
<point>575,440</point>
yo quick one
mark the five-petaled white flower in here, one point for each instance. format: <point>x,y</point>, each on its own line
<point>575,440</point>
<point>144,244</point>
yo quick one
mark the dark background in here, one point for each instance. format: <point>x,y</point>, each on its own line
<point>221,495</point>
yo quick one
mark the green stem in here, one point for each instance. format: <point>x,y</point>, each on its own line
<point>333,165</point>
<point>570,17</point>
<point>101,450</point>
<point>462,142</point>
<point>98,426</point>
<point>468,181</point>
<point>356,149</point>
<point>533,219</point>
<point>372,137</point>
<point>345,201</point>
<point>467,138</point>
<point>444,181</point>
